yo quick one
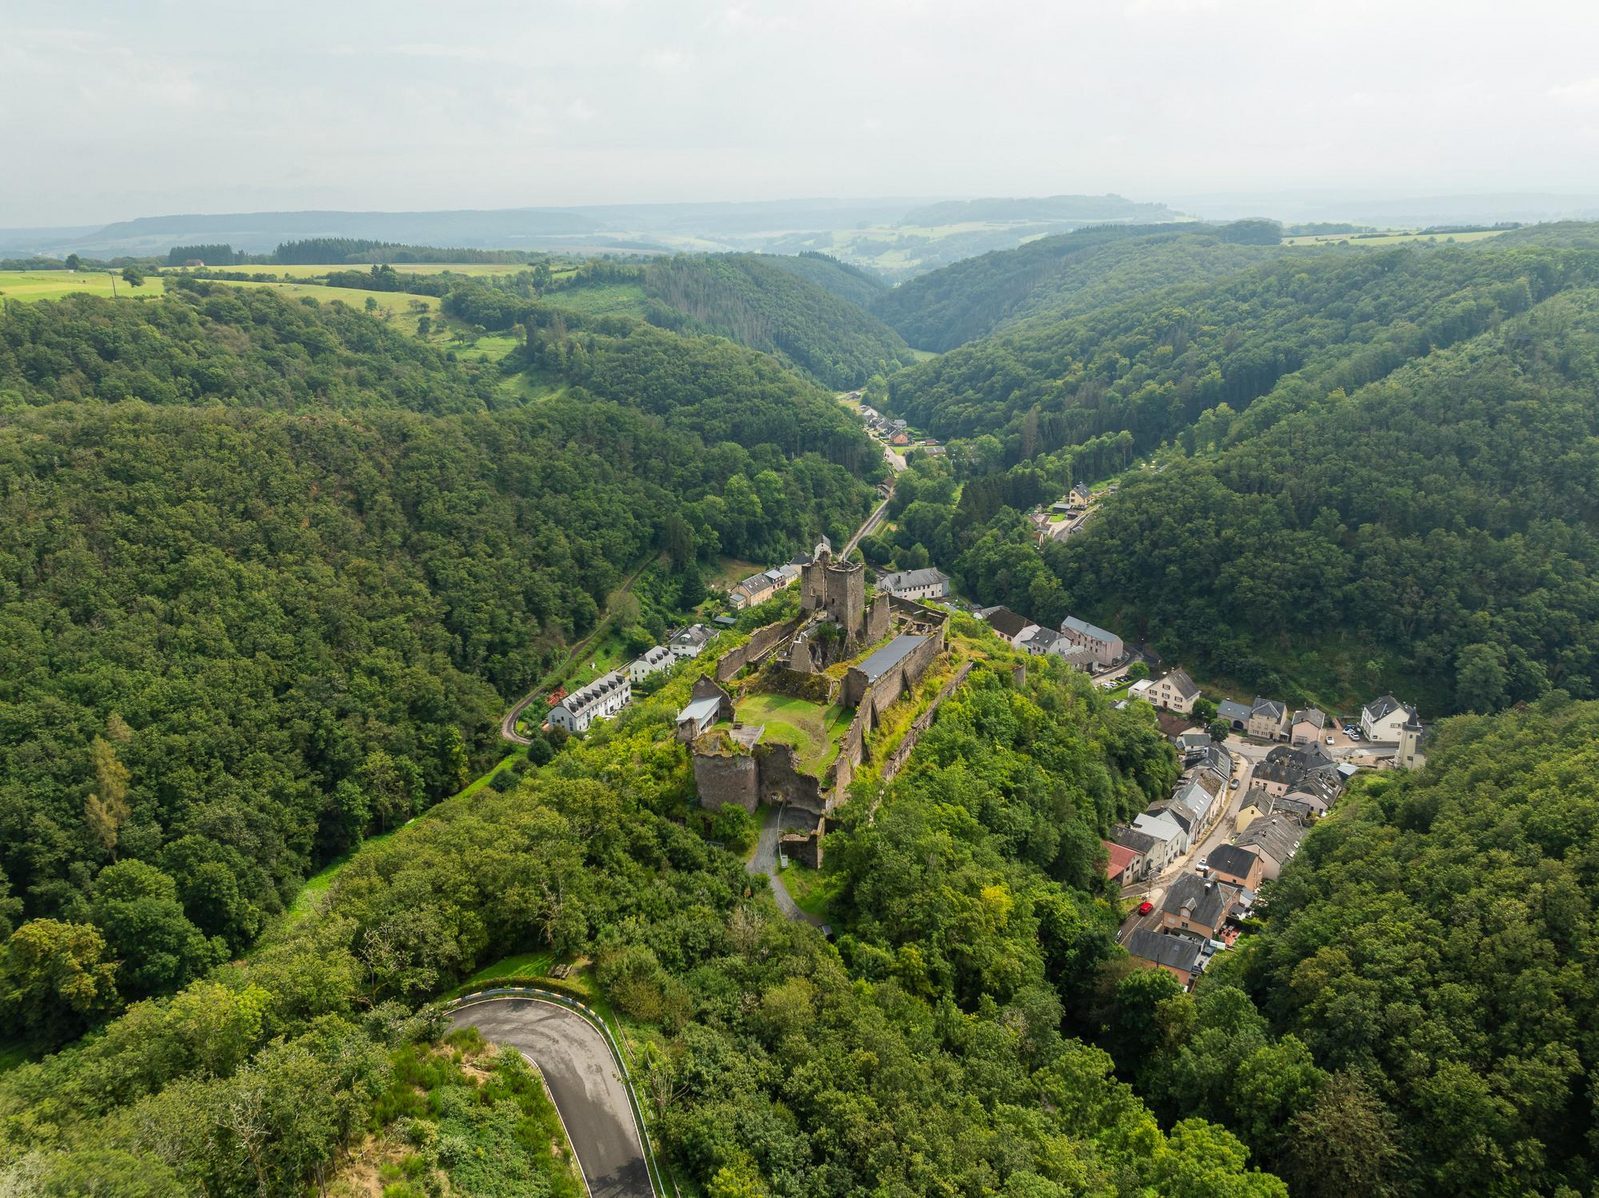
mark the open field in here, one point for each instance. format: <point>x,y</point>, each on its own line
<point>316,270</point>
<point>1393,238</point>
<point>602,299</point>
<point>49,284</point>
<point>490,347</point>
<point>813,730</point>
<point>398,302</point>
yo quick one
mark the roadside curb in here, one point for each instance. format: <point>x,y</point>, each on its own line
<point>595,1020</point>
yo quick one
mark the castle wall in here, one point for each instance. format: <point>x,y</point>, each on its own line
<point>726,778</point>
<point>902,751</point>
<point>760,644</point>
<point>878,620</point>
<point>780,780</point>
<point>804,847</point>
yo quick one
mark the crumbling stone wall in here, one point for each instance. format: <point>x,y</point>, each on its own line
<point>804,847</point>
<point>779,779</point>
<point>723,778</point>
<point>902,751</point>
<point>763,642</point>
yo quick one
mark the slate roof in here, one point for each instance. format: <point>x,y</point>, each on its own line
<point>1231,710</point>
<point>699,709</point>
<point>1232,860</point>
<point>594,691</point>
<point>1202,902</point>
<point>1314,716</point>
<point>1183,683</point>
<point>889,656</point>
<point>1006,622</point>
<point>1084,628</point>
<point>907,580</point>
<point>1276,836</point>
<point>1269,708</point>
<point>1382,707</point>
<point>1175,952</point>
<point>1132,838</point>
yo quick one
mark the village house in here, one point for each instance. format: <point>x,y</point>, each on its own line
<point>1177,955</point>
<point>1198,905</point>
<point>651,661</point>
<point>1042,641</point>
<point>1119,860</point>
<point>1307,727</point>
<point>758,588</point>
<point>1384,718</point>
<point>1172,835</point>
<point>1147,850</point>
<point>1268,719</point>
<point>1175,692</point>
<point>1257,804</point>
<point>1012,627</point>
<point>1236,866</point>
<point>1234,714</point>
<point>1276,839</point>
<point>930,583</point>
<point>1079,494</point>
<point>1107,646</point>
<point>599,700</point>
<point>690,641</point>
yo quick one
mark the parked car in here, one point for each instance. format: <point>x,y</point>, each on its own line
<point>1234,783</point>
<point>1330,740</point>
<point>1145,907</point>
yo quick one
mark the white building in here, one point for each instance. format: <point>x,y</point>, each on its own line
<point>599,700</point>
<point>1175,692</point>
<point>930,583</point>
<point>690,641</point>
<point>1383,719</point>
<point>652,661</point>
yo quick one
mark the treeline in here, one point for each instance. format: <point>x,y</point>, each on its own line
<point>774,1066</point>
<point>256,611</point>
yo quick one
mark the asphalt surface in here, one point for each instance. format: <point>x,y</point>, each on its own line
<point>583,1078</point>
<point>765,862</point>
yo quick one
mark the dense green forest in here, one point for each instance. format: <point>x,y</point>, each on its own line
<point>1063,275</point>
<point>761,304</point>
<point>775,1064</point>
<point>852,284</point>
<point>253,610</point>
<point>1421,1001</point>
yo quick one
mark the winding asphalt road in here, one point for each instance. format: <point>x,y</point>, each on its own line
<point>582,1075</point>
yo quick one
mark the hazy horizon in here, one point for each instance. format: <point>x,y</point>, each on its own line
<point>182,107</point>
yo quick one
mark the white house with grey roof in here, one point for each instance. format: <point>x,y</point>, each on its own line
<point>690,641</point>
<point>930,583</point>
<point>651,661</point>
<point>599,700</point>
<point>1384,718</point>
<point>1268,719</point>
<point>1175,692</point>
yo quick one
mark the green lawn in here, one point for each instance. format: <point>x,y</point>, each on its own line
<point>600,299</point>
<point>490,347</point>
<point>50,284</point>
<point>1393,238</point>
<point>522,965</point>
<point>813,730</point>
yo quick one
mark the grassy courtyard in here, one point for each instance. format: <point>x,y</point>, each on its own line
<point>813,729</point>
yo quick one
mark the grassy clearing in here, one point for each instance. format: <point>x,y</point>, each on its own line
<point>813,730</point>
<point>526,966</point>
<point>601,299</point>
<point>398,307</point>
<point>490,347</point>
<point>1392,238</point>
<point>51,284</point>
<point>810,889</point>
<point>730,571</point>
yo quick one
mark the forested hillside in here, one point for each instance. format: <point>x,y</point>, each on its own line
<point>1443,518</point>
<point>1416,1018</point>
<point>772,307</point>
<point>252,622</point>
<point>852,284</point>
<point>1058,276</point>
<point>775,1063</point>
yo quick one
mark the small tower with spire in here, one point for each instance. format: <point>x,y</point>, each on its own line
<point>1410,756</point>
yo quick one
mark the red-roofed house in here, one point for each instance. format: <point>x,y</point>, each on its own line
<point>1121,860</point>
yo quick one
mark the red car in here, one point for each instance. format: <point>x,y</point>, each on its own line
<point>1145,907</point>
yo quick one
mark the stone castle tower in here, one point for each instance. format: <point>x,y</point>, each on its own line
<point>1409,755</point>
<point>837,589</point>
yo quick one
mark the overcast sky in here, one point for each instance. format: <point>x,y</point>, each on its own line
<point>127,108</point>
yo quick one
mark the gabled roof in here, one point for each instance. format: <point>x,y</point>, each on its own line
<point>653,657</point>
<point>594,691</point>
<point>1121,858</point>
<point>1276,836</point>
<point>1270,708</point>
<point>1314,716</point>
<point>906,580</point>
<point>1174,952</point>
<point>1183,684</point>
<point>695,634</point>
<point>1159,825</point>
<point>1007,623</point>
<point>1132,838</point>
<point>1041,640</point>
<point>1385,705</point>
<point>1084,628</point>
<point>1232,860</point>
<point>1201,901</point>
<point>1231,709</point>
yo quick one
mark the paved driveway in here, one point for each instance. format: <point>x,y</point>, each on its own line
<point>582,1075</point>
